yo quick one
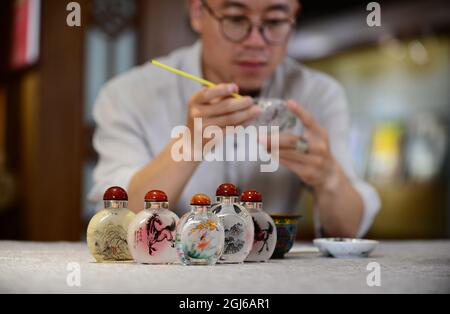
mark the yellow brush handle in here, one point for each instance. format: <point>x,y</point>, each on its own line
<point>189,76</point>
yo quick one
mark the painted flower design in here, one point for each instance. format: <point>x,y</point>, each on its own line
<point>207,225</point>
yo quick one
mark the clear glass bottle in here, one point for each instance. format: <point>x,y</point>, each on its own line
<point>200,234</point>
<point>238,224</point>
<point>107,230</point>
<point>265,238</point>
<point>152,233</point>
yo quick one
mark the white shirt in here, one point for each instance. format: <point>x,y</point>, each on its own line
<point>136,112</point>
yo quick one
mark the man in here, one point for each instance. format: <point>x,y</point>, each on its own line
<point>243,45</point>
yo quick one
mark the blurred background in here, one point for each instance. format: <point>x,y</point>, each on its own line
<point>397,78</point>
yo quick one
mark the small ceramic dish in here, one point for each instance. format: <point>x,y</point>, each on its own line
<point>322,249</point>
<point>345,248</point>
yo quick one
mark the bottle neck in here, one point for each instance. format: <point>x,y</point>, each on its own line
<point>200,209</point>
<point>227,199</point>
<point>156,205</point>
<point>253,206</point>
<point>111,204</point>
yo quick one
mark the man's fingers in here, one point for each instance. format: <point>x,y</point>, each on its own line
<point>207,94</point>
<point>301,158</point>
<point>226,106</point>
<point>305,117</point>
<point>286,141</point>
<point>294,166</point>
<point>235,118</point>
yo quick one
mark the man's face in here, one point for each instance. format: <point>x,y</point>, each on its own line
<point>250,62</point>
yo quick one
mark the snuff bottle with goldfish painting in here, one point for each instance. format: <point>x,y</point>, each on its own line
<point>200,234</point>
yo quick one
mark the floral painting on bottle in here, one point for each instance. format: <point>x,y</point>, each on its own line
<point>202,240</point>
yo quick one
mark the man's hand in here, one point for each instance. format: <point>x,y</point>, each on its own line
<point>340,205</point>
<point>216,106</point>
<point>316,167</point>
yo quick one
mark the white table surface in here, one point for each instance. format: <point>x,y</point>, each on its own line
<point>406,267</point>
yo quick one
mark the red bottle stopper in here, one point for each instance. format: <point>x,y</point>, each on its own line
<point>200,199</point>
<point>227,189</point>
<point>156,196</point>
<point>115,193</point>
<point>251,196</point>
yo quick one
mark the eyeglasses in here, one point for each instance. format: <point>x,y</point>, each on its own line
<point>238,28</point>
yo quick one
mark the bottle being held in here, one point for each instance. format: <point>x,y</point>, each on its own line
<point>151,235</point>
<point>238,224</point>
<point>265,238</point>
<point>200,234</point>
<point>107,230</point>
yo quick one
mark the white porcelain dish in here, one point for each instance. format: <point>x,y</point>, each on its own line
<point>345,248</point>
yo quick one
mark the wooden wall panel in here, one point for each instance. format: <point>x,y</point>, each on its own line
<point>52,117</point>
